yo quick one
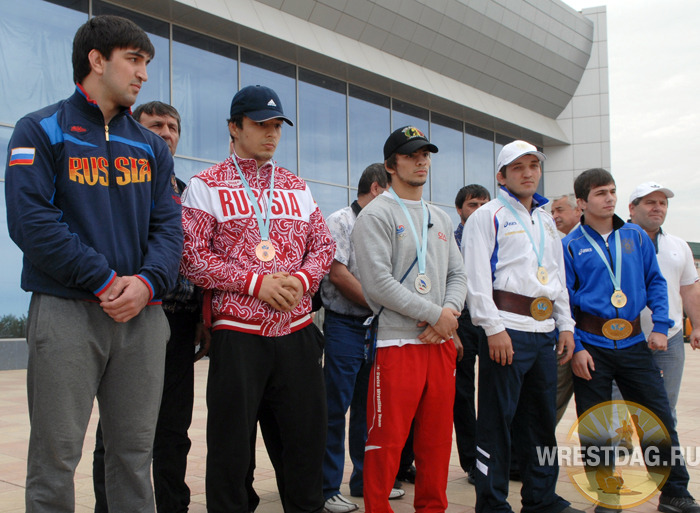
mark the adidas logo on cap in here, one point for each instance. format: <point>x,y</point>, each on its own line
<point>259,103</point>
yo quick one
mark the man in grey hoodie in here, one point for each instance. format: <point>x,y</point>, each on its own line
<point>411,269</point>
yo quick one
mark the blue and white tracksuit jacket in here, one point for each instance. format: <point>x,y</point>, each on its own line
<point>590,286</point>
<point>498,255</point>
<point>87,202</point>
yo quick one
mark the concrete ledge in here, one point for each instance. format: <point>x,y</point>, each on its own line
<point>13,353</point>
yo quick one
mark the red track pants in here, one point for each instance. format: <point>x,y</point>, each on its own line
<point>407,382</point>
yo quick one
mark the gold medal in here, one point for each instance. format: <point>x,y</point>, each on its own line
<point>542,275</point>
<point>617,329</point>
<point>618,299</point>
<point>541,308</point>
<point>422,284</point>
<point>265,251</point>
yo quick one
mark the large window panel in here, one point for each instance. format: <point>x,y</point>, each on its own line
<point>447,170</point>
<point>13,299</point>
<point>480,160</point>
<point>157,87</point>
<point>36,44</point>
<point>258,69</point>
<point>323,152</point>
<point>404,114</point>
<point>329,197</point>
<point>205,78</point>
<point>370,122</point>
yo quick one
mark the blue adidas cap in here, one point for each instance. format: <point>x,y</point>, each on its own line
<point>259,103</point>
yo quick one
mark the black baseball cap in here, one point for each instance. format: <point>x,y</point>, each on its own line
<point>259,103</point>
<point>406,140</point>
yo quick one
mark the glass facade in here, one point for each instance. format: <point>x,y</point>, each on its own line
<point>339,128</point>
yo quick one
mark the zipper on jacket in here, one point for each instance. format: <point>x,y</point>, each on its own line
<point>617,311</point>
<point>111,179</point>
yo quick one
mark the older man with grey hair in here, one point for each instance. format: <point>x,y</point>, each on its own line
<point>566,213</point>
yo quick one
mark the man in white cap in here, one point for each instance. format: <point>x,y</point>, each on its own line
<point>517,294</point>
<point>648,207</point>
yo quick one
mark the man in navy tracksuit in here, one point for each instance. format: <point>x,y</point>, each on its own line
<point>91,205</point>
<point>612,274</point>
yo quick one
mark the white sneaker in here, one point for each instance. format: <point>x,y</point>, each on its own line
<point>396,493</point>
<point>339,504</point>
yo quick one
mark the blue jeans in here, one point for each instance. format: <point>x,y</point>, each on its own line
<point>347,378</point>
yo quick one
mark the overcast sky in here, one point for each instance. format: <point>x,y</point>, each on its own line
<point>655,102</point>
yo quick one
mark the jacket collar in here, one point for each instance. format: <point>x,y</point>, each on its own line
<point>537,200</point>
<point>250,167</point>
<point>617,223</point>
<point>82,101</point>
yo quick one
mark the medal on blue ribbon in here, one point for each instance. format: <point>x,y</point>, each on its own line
<point>422,282</point>
<point>618,298</point>
<point>264,251</point>
<point>542,274</point>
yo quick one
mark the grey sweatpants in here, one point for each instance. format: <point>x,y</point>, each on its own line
<point>77,352</point>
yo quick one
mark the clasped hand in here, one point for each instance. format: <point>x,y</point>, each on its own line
<point>125,298</point>
<point>281,291</point>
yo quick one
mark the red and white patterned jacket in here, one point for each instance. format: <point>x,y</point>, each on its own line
<point>221,233</point>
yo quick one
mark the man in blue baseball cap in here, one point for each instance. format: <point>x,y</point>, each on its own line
<point>255,238</point>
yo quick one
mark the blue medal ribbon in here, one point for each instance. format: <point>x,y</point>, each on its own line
<point>615,278</point>
<point>539,253</point>
<point>421,249</point>
<point>263,224</point>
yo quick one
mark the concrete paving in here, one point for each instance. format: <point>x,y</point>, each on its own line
<point>14,435</point>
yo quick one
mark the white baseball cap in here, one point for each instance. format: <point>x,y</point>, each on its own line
<point>649,187</point>
<point>513,151</point>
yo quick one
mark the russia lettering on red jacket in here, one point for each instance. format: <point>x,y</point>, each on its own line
<point>235,203</point>
<point>95,170</point>
<point>285,203</point>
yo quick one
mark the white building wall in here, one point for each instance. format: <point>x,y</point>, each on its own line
<point>585,120</point>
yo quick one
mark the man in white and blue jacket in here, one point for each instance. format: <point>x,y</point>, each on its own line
<point>612,274</point>
<point>517,294</point>
<point>91,205</point>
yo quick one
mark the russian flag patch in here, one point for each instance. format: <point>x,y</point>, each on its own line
<point>22,156</point>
